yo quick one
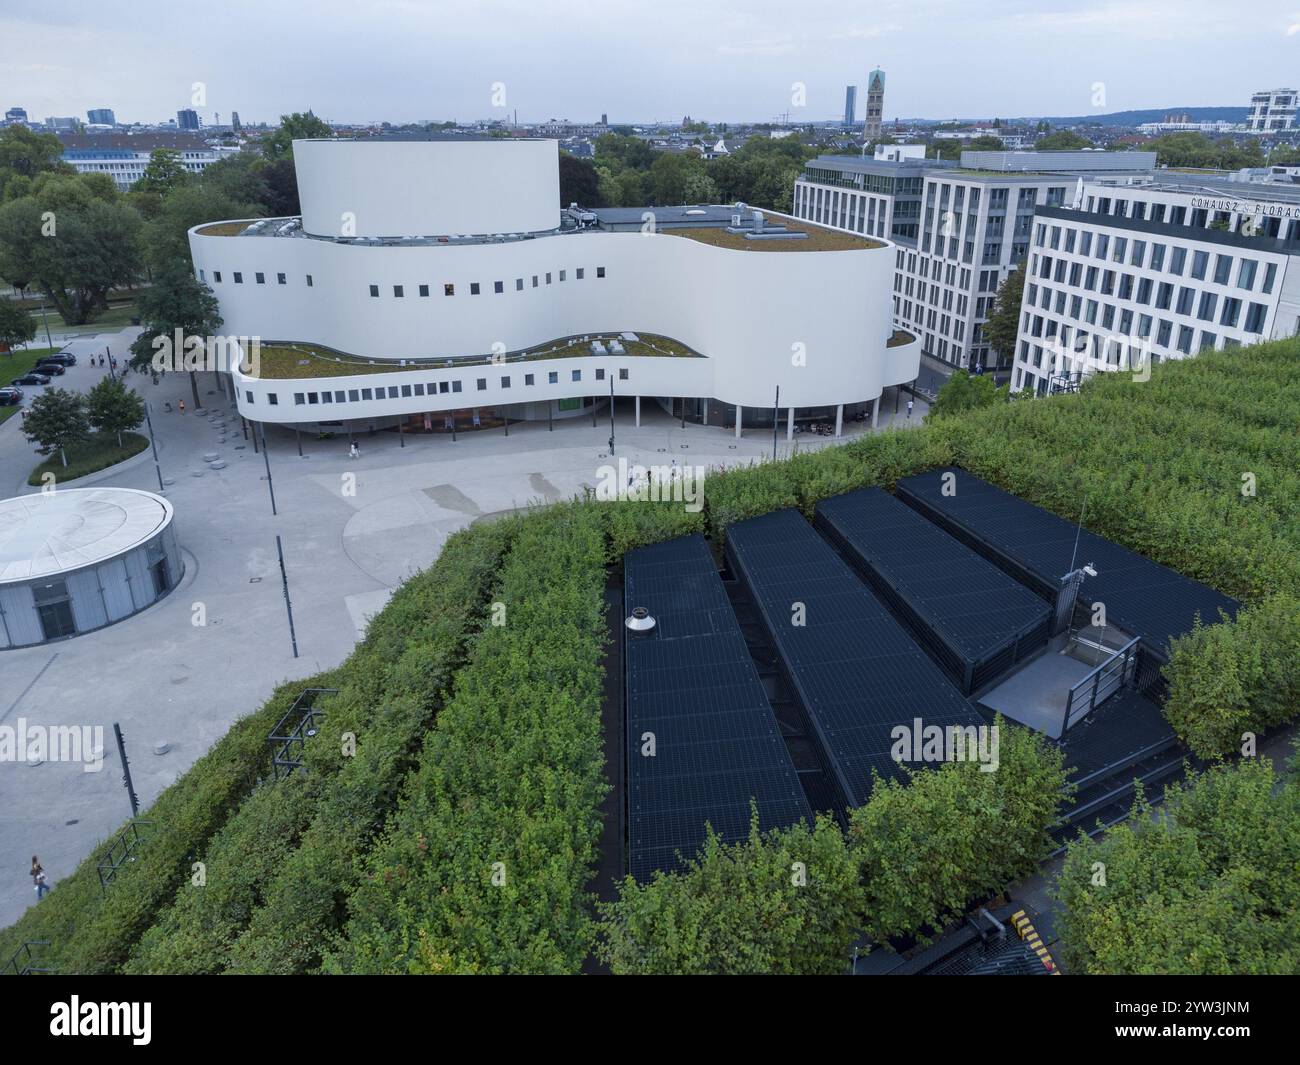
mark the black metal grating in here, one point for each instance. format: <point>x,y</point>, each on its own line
<point>692,684</point>
<point>856,670</point>
<point>1142,597</point>
<point>974,619</point>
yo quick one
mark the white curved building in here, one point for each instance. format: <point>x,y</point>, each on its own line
<point>456,257</point>
<point>78,559</point>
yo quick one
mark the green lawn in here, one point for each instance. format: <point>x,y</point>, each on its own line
<point>15,364</point>
<point>116,317</point>
<point>97,453</point>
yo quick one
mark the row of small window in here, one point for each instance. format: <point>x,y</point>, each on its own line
<point>918,316</point>
<point>498,287</point>
<point>857,213</point>
<point>1139,327</point>
<point>259,278</point>
<point>1203,305</point>
<point>356,395</point>
<point>1194,217</point>
<point>1134,253</point>
<point>1120,351</point>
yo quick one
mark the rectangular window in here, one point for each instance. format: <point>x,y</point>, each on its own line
<point>534,280</point>
<point>312,398</point>
<point>1186,300</point>
<point>424,290</point>
<point>600,271</point>
<point>519,284</point>
<point>1177,260</point>
<point>1185,335</point>
<point>600,374</point>
<point>1270,273</point>
<point>1164,295</point>
<point>548,277</point>
<point>392,392</point>
<point>369,393</point>
<point>309,281</point>
<point>419,388</point>
<point>1206,310</point>
<point>553,378</point>
<point>399,291</point>
<point>482,384</point>
<point>406,391</point>
<point>443,388</point>
<point>498,286</point>
<point>576,375</point>
<point>327,397</point>
<point>299,399</point>
<point>216,276</point>
<point>505,381</point>
<point>578,273</point>
<point>1246,275</point>
<point>280,279</point>
<point>1231,311</point>
<point>248,395</point>
<point>1157,257</point>
<point>260,277</point>
<point>455,386</point>
<point>528,379</point>
<point>1200,262</point>
<point>473,288</point>
<point>374,291</point>
<point>239,278</point>
<point>622,374</point>
<point>273,399</point>
<point>1255,316</point>
<point>353,395</point>
<point>1222,269</point>
<point>449,290</point>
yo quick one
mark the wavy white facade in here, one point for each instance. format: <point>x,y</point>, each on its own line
<point>816,323</point>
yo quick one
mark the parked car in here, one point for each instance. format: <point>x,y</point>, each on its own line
<point>10,397</point>
<point>51,369</point>
<point>66,358</point>
<point>32,378</point>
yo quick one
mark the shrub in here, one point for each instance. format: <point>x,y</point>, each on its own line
<point>1235,677</point>
<point>930,847</point>
<point>483,866</point>
<point>1207,886</point>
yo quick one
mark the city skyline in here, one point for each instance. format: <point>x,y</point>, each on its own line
<point>415,61</point>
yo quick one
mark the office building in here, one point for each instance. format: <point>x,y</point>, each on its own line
<point>444,284</point>
<point>1272,111</point>
<point>1137,274</point>
<point>16,116</point>
<point>187,119</point>
<point>124,156</point>
<point>101,116</point>
<point>850,105</point>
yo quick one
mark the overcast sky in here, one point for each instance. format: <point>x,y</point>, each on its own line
<point>407,60</point>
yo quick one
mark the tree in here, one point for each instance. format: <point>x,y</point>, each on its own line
<point>1003,325</point>
<point>16,325</point>
<point>71,242</point>
<point>177,300</point>
<point>23,155</point>
<point>164,172</point>
<point>56,420</point>
<point>113,408</point>
<point>1207,886</point>
<point>166,235</point>
<point>986,143</point>
<point>963,392</point>
<point>786,903</point>
<point>1061,141</point>
<point>297,126</point>
<point>579,182</point>
<point>668,176</point>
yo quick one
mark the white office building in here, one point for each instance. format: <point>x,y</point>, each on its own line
<point>1272,111</point>
<point>1145,272</point>
<point>960,229</point>
<point>124,157</point>
<point>437,283</point>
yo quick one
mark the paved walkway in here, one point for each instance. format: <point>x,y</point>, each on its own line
<point>165,680</point>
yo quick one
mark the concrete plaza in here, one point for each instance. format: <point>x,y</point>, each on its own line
<point>168,681</point>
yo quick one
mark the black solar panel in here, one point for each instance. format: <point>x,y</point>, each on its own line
<point>975,619</point>
<point>1142,597</point>
<point>855,669</point>
<point>693,685</point>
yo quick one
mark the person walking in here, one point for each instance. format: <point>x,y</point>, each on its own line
<point>182,406</point>
<point>909,410</point>
<point>354,452</point>
<point>38,878</point>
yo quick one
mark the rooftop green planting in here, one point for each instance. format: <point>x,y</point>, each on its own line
<point>818,239</point>
<point>289,360</point>
<point>223,229</point>
<point>461,834</point>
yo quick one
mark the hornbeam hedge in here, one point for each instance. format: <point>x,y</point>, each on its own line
<point>484,865</point>
<point>1207,885</point>
<point>276,873</point>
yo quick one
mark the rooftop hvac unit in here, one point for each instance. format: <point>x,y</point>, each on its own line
<point>597,348</point>
<point>615,348</point>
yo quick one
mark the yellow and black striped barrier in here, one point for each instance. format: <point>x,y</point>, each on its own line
<point>1025,928</point>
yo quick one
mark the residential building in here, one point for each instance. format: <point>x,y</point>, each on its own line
<point>1272,110</point>
<point>875,106</point>
<point>443,281</point>
<point>850,105</point>
<point>124,156</point>
<point>101,116</point>
<point>1140,273</point>
<point>187,119</point>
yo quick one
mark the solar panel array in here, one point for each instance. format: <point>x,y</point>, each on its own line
<point>855,669</point>
<point>974,617</point>
<point>1142,597</point>
<point>692,687</point>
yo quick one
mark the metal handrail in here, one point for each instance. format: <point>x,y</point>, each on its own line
<point>1093,680</point>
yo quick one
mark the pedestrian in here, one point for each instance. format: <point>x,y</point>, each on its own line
<point>354,451</point>
<point>38,878</point>
<point>182,406</point>
<point>909,410</point>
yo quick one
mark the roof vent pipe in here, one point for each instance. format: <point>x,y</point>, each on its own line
<point>639,623</point>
